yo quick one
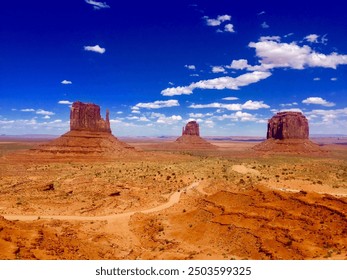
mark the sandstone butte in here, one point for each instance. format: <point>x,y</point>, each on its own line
<point>288,132</point>
<point>89,135</point>
<point>191,140</point>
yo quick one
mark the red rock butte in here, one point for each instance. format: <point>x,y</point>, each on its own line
<point>288,125</point>
<point>89,135</point>
<point>86,116</point>
<point>191,140</point>
<point>191,128</point>
<point>288,132</point>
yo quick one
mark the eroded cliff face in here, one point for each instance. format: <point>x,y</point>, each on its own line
<point>191,128</point>
<point>86,117</point>
<point>288,125</point>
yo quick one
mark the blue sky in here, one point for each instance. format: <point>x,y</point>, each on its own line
<point>158,64</point>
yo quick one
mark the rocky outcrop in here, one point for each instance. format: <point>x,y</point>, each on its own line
<point>288,125</point>
<point>288,132</point>
<point>191,128</point>
<point>191,140</point>
<point>86,117</point>
<point>89,136</point>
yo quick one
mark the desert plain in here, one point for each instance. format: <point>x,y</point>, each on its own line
<point>156,202</point>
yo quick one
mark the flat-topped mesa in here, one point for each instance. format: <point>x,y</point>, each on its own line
<point>288,125</point>
<point>191,128</point>
<point>86,117</point>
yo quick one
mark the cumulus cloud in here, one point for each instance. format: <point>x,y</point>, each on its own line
<point>248,105</point>
<point>97,5</point>
<point>238,116</point>
<point>44,112</point>
<point>229,28</point>
<point>312,38</point>
<point>65,102</point>
<point>219,83</point>
<point>218,21</point>
<point>333,79</point>
<point>239,64</point>
<point>169,120</point>
<point>38,112</point>
<point>274,54</point>
<point>66,82</point>
<point>157,104</point>
<point>318,101</point>
<point>218,69</point>
<point>95,48</point>
<point>316,79</point>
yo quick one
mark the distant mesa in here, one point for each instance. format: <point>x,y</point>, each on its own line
<point>89,135</point>
<point>288,132</point>
<point>191,140</point>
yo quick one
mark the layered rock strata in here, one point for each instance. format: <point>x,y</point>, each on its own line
<point>288,132</point>
<point>86,117</point>
<point>288,125</point>
<point>89,135</point>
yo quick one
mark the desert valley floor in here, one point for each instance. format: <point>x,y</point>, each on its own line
<point>226,203</point>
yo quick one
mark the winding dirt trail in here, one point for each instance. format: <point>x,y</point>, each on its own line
<point>174,198</point>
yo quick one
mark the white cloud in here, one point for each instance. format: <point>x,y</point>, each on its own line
<point>312,38</point>
<point>329,119</point>
<point>65,102</point>
<point>199,115</point>
<point>316,79</point>
<point>176,91</point>
<point>97,5</point>
<point>261,13</point>
<point>46,117</point>
<point>27,110</point>
<point>218,21</point>
<point>238,116</point>
<point>224,18</point>
<point>66,82</point>
<point>239,64</point>
<point>219,83</point>
<point>44,112</point>
<point>270,38</point>
<point>230,98</point>
<point>157,104</point>
<point>169,120</point>
<point>254,105</point>
<point>209,123</point>
<point>333,79</point>
<point>218,69</point>
<point>143,119</point>
<point>265,25</point>
<point>288,104</point>
<point>248,105</point>
<point>190,67</point>
<point>95,48</point>
<point>274,54</point>
<point>229,28</point>
<point>318,101</point>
